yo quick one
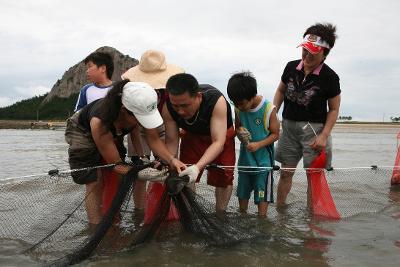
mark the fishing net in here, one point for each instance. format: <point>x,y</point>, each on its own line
<point>46,214</point>
<point>322,203</point>
<point>395,180</point>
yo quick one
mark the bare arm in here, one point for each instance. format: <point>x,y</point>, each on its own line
<point>105,144</point>
<point>238,124</point>
<point>333,112</point>
<point>136,141</point>
<point>160,148</point>
<point>218,134</point>
<point>274,134</point>
<point>171,132</point>
<point>279,95</point>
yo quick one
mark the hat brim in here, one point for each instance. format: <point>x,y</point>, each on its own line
<point>311,47</point>
<point>151,120</point>
<point>157,79</point>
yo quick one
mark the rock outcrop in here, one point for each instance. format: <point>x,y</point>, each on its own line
<point>74,78</point>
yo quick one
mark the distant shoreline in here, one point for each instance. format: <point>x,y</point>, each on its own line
<point>32,124</point>
<point>368,124</point>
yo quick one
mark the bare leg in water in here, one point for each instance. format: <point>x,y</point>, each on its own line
<point>222,197</point>
<point>243,205</point>
<point>284,185</point>
<point>139,194</point>
<point>94,200</point>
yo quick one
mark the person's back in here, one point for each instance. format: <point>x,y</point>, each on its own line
<point>93,132</point>
<point>257,127</point>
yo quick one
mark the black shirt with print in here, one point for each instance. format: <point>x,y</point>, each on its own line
<point>306,97</point>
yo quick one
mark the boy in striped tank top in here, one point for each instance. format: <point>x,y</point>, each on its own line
<point>257,127</point>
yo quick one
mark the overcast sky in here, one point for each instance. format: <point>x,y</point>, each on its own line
<point>211,39</point>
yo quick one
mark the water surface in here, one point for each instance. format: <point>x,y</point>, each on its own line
<point>368,236</point>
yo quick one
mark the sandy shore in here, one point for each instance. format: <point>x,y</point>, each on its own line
<point>30,124</point>
<point>367,125</point>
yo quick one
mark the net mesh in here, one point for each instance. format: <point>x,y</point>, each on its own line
<point>396,170</point>
<point>47,215</point>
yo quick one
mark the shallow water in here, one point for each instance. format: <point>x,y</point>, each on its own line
<point>369,238</point>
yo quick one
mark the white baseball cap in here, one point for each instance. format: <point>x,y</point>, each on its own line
<point>141,99</point>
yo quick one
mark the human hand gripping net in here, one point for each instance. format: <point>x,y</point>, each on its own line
<point>175,182</point>
<point>195,214</point>
<point>153,175</point>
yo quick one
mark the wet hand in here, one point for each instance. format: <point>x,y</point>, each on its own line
<point>177,165</point>
<point>243,135</point>
<point>252,147</point>
<point>192,172</point>
<point>319,142</point>
<point>122,168</point>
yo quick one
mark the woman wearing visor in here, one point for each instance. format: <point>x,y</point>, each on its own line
<point>310,92</point>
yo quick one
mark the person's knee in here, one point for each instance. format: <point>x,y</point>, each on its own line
<point>93,186</point>
<point>286,176</point>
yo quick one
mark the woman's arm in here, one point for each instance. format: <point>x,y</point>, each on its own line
<point>104,141</point>
<point>279,95</point>
<point>333,112</point>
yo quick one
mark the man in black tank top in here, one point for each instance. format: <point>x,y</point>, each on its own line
<point>207,135</point>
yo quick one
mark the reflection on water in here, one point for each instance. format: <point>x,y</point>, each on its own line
<point>293,237</point>
<point>26,152</point>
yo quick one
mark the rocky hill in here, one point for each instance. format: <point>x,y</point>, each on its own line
<point>59,103</point>
<point>75,77</point>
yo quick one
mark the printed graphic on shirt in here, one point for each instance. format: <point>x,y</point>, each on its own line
<point>303,95</point>
<point>257,121</point>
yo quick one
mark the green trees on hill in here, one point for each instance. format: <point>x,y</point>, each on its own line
<point>31,109</point>
<point>345,118</point>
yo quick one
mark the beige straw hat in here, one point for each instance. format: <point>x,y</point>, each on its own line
<point>152,69</point>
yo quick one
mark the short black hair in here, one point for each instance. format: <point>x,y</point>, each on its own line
<point>181,83</point>
<point>326,31</point>
<point>102,59</point>
<point>242,86</point>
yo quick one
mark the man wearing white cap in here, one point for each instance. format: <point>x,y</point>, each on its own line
<point>96,132</point>
<point>310,91</point>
